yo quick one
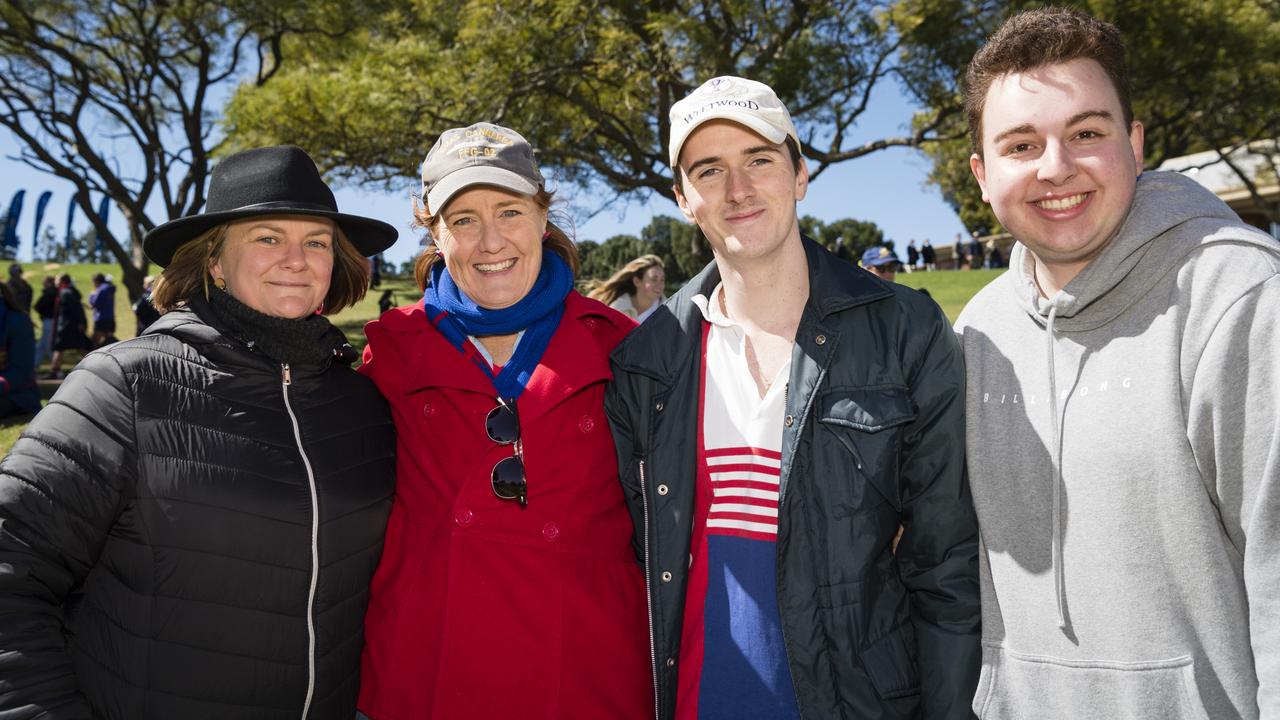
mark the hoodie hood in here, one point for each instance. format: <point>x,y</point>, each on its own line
<point>1162,202</point>
<point>1171,216</point>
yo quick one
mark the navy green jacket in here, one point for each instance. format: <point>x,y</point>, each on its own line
<point>873,440</point>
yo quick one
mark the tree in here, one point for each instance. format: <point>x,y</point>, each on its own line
<point>48,246</point>
<point>601,261</point>
<point>847,237</point>
<point>120,98</point>
<point>1204,76</point>
<point>680,244</point>
<point>589,82</point>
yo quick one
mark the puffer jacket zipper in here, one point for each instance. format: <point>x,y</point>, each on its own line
<point>648,591</point>
<point>285,381</point>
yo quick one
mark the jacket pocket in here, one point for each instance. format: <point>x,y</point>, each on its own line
<point>863,419</point>
<point>1019,685</point>
<point>891,664</point>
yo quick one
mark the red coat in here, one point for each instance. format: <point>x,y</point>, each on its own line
<point>482,609</point>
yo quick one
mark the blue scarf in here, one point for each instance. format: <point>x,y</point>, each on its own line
<point>538,314</point>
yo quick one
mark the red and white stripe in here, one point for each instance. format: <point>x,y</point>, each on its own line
<point>744,487</point>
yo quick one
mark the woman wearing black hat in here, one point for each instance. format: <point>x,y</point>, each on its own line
<point>189,528</point>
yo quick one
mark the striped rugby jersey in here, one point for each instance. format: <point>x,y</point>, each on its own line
<point>732,660</point>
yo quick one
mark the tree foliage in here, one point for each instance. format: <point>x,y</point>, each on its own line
<point>600,260</point>
<point>120,98</point>
<point>1204,76</point>
<point>589,82</point>
<point>681,245</point>
<point>846,237</point>
<point>685,251</point>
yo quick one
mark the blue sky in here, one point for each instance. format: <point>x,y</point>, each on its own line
<point>887,187</point>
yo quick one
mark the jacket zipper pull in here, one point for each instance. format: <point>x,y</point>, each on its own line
<point>284,374</point>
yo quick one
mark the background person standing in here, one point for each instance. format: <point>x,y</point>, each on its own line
<point>19,394</point>
<point>103,302</point>
<point>929,256</point>
<point>69,325</point>
<point>22,293</point>
<point>143,310</point>
<point>46,308</point>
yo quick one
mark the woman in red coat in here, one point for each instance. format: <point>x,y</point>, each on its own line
<point>508,587</point>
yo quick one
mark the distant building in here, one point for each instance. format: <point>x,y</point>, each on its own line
<point>1259,161</point>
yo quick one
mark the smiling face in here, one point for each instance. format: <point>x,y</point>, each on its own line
<point>650,284</point>
<point>741,190</point>
<point>279,266</point>
<point>1058,165</point>
<point>491,241</point>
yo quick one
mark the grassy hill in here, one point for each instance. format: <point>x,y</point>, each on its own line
<point>950,289</point>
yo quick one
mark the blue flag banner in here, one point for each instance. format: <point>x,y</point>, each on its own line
<point>71,213</point>
<point>41,204</point>
<point>11,219</point>
<point>103,208</point>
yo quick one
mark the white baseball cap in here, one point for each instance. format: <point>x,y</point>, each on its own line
<point>743,101</point>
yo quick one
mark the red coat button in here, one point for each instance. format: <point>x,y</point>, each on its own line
<point>428,409</point>
<point>464,517</point>
<point>586,424</point>
<point>590,323</point>
<point>550,532</point>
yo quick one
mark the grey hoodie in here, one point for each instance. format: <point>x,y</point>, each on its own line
<point>1124,456</point>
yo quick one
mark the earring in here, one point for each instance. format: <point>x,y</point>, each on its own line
<point>546,236</point>
<point>220,283</point>
<point>320,310</point>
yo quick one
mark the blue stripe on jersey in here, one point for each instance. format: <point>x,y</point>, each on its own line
<point>745,674</point>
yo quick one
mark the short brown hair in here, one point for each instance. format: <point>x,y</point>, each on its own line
<point>1034,39</point>
<point>188,272</point>
<point>557,241</point>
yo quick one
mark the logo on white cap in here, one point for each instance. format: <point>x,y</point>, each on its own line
<point>746,102</point>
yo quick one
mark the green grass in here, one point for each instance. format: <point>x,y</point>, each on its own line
<point>951,289</point>
<point>351,321</point>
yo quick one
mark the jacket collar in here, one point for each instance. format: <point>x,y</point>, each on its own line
<point>661,346</point>
<point>567,365</point>
<point>190,324</point>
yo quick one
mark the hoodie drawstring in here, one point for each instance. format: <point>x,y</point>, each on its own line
<point>1059,579</point>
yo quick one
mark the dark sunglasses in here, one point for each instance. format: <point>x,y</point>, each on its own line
<point>508,480</point>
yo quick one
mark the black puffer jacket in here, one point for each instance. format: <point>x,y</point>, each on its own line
<point>161,551</point>
<point>873,439</point>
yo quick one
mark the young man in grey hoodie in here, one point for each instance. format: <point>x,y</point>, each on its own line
<point>1123,394</point>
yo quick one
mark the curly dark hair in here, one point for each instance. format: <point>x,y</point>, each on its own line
<point>1034,39</point>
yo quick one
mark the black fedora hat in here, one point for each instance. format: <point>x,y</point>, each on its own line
<point>280,180</point>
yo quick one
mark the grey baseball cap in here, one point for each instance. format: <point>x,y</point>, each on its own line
<point>480,154</point>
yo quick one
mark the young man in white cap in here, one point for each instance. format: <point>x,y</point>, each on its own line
<point>777,422</point>
<point>1123,386</point>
